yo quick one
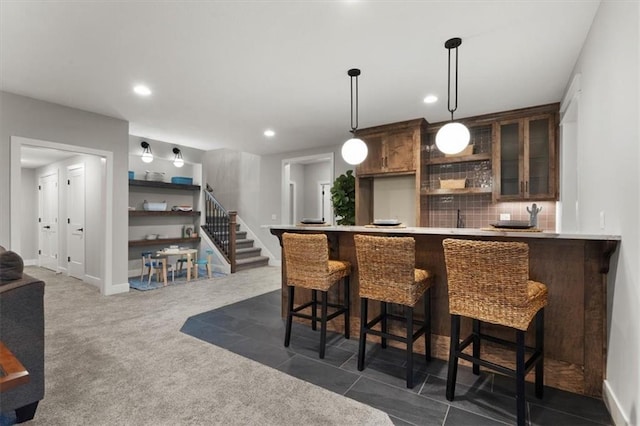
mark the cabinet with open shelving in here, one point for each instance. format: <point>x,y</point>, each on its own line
<point>173,223</point>
<point>474,168</point>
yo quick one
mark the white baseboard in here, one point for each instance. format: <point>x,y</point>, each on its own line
<point>95,281</point>
<point>30,262</point>
<point>613,405</point>
<point>116,288</point>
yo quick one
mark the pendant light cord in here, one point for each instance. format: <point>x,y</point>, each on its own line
<point>354,128</point>
<point>449,84</point>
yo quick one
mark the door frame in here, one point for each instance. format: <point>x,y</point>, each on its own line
<point>286,177</point>
<point>15,195</point>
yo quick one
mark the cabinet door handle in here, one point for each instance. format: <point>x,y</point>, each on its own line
<point>526,186</point>
<point>521,186</point>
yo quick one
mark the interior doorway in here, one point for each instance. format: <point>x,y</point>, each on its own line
<point>305,199</point>
<point>98,262</point>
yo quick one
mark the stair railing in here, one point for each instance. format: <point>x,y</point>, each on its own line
<point>220,225</point>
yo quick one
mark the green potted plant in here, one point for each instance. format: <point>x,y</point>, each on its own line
<point>343,197</point>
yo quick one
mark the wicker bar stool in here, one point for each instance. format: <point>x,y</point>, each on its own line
<point>308,266</point>
<point>387,273</point>
<point>489,282</point>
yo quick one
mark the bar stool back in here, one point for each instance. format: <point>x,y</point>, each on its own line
<point>387,273</point>
<point>489,282</point>
<point>308,266</point>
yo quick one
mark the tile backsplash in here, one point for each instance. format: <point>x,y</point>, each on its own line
<point>477,211</point>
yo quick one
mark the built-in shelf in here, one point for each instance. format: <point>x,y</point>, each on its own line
<point>461,191</point>
<point>147,213</point>
<point>462,159</point>
<point>163,241</point>
<point>163,185</point>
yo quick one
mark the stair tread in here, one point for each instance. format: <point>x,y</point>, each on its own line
<point>251,260</point>
<point>247,249</point>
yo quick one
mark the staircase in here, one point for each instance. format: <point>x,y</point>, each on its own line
<point>225,233</point>
<point>248,256</point>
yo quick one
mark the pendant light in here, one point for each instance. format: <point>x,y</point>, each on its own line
<point>178,161</point>
<point>453,137</point>
<point>354,151</point>
<point>147,156</point>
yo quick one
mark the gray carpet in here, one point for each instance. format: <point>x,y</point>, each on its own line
<point>122,360</point>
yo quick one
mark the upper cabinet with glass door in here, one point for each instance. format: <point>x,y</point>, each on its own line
<point>525,157</point>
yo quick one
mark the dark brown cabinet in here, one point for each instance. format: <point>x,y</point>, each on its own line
<point>393,148</point>
<point>525,158</point>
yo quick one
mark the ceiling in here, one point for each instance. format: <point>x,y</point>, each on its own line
<point>222,72</point>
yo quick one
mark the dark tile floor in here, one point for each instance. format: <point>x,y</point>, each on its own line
<point>254,329</point>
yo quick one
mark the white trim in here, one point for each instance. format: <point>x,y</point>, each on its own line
<point>107,287</point>
<point>90,279</point>
<point>117,288</point>
<point>613,405</point>
<point>30,262</point>
<point>222,265</point>
<point>574,90</point>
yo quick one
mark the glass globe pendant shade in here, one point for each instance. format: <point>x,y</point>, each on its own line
<point>354,151</point>
<point>452,138</point>
<point>178,162</point>
<point>147,157</point>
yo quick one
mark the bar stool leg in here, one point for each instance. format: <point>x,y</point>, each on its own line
<point>287,334</point>
<point>323,324</point>
<point>454,346</point>
<point>540,350</point>
<point>409,310</point>
<point>427,324</point>
<point>363,332</point>
<point>347,325</point>
<point>520,401</point>
<point>314,310</point>
<point>383,326</point>
<point>476,345</point>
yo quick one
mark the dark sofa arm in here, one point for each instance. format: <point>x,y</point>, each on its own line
<point>22,332</point>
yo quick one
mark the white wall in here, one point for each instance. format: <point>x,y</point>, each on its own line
<point>34,119</point>
<point>609,183</point>
<point>394,197</point>
<point>29,234</point>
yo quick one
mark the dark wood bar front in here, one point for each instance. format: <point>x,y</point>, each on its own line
<point>574,268</point>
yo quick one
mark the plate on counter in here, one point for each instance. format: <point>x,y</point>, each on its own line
<point>386,222</point>
<point>512,224</point>
<point>310,221</point>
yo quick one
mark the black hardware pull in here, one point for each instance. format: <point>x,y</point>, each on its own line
<point>46,227</point>
<point>81,229</point>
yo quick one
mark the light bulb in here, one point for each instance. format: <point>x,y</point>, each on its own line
<point>178,162</point>
<point>452,138</point>
<point>147,157</point>
<point>354,151</point>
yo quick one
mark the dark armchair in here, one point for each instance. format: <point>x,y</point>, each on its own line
<point>22,332</point>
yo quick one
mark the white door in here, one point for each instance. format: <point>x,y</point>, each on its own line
<point>48,221</point>
<point>75,221</point>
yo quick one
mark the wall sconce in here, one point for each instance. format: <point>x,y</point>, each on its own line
<point>178,161</point>
<point>147,156</point>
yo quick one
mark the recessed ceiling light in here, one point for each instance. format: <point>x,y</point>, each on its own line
<point>142,90</point>
<point>429,99</point>
<point>269,133</point>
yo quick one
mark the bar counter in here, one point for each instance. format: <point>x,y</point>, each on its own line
<point>573,266</point>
